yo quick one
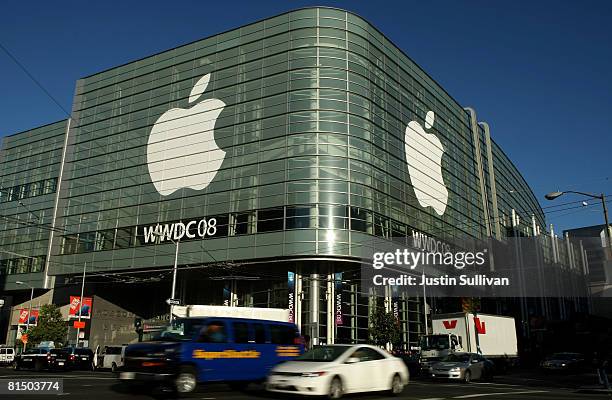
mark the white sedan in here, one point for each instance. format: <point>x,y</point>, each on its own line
<point>335,370</point>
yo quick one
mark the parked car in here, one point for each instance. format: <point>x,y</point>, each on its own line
<point>7,355</point>
<point>111,357</point>
<point>335,370</point>
<point>412,361</point>
<point>463,366</point>
<point>41,358</point>
<point>563,362</point>
<point>80,358</point>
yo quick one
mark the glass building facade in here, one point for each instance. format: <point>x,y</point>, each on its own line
<point>311,164</point>
<point>316,104</point>
<point>30,165</point>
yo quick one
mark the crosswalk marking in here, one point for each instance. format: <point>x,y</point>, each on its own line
<point>470,396</point>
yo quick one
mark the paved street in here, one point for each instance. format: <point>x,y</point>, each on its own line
<point>103,385</point>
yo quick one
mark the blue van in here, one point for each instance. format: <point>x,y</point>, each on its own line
<point>206,349</point>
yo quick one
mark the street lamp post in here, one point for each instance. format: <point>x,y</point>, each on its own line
<point>174,270</point>
<point>78,333</point>
<point>554,195</point>
<point>29,307</point>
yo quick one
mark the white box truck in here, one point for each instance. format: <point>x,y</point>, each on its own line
<point>197,310</point>
<point>493,336</point>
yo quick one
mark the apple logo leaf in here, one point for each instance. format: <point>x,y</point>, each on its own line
<point>429,119</point>
<point>199,88</point>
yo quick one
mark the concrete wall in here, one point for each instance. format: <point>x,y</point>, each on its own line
<point>110,324</point>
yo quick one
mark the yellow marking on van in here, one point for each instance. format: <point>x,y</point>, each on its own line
<point>287,351</point>
<point>211,355</point>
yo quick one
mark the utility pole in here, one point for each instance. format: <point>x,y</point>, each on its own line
<point>605,210</point>
<point>159,238</point>
<point>29,308</point>
<point>81,303</point>
<point>174,277</point>
<point>425,304</point>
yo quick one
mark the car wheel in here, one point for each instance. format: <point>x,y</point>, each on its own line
<point>185,382</point>
<point>467,377</point>
<point>335,388</point>
<point>38,366</point>
<point>397,386</point>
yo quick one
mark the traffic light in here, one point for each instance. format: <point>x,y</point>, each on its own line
<point>138,327</point>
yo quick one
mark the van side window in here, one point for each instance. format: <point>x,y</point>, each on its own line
<point>241,332</point>
<point>282,334</point>
<point>213,332</point>
<point>260,333</point>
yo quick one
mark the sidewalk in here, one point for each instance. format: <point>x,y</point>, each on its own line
<point>587,381</point>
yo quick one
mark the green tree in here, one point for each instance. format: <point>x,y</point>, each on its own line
<point>50,327</point>
<point>384,327</point>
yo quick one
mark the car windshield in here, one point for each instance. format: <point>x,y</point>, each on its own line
<point>457,358</point>
<point>323,353</point>
<point>434,342</point>
<point>179,330</point>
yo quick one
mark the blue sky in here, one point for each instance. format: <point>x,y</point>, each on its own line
<point>538,72</point>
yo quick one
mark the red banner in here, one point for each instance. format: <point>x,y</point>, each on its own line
<point>79,324</point>
<point>23,317</point>
<point>75,306</point>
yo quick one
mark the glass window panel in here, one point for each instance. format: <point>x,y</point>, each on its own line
<point>68,244</point>
<point>299,217</point>
<point>125,238</point>
<point>333,217</point>
<point>270,220</point>
<point>86,242</point>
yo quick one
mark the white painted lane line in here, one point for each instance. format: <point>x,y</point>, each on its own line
<point>470,396</point>
<point>54,376</point>
<point>494,384</point>
<point>433,398</point>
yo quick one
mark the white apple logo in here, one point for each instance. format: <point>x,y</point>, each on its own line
<point>182,152</point>
<point>424,157</point>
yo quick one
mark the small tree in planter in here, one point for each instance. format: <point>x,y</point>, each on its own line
<point>50,327</point>
<point>384,327</point>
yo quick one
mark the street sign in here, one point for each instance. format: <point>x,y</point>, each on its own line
<point>24,338</point>
<point>173,302</point>
<point>79,324</point>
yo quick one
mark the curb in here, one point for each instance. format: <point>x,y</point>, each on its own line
<point>594,390</point>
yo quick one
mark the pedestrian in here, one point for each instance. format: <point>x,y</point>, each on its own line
<point>603,373</point>
<point>601,363</point>
<point>306,342</point>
